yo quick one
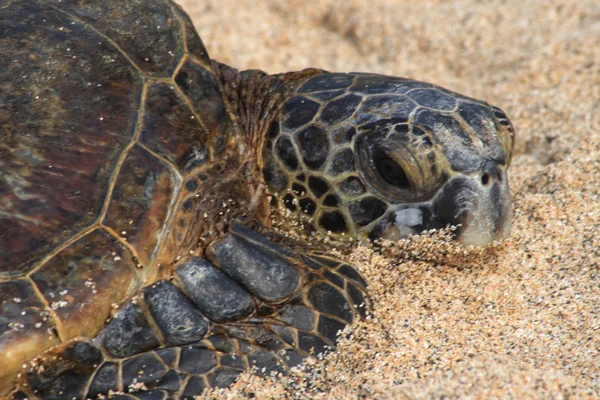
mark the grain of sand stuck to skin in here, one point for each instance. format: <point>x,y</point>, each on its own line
<point>520,319</point>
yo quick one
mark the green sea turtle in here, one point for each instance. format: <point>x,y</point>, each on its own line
<point>159,210</point>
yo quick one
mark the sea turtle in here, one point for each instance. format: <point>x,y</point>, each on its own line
<point>160,212</point>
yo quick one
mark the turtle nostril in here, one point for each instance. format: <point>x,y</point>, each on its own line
<point>499,177</point>
<point>485,179</point>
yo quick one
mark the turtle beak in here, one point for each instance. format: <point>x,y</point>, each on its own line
<point>479,205</point>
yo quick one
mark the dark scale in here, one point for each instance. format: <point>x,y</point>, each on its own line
<point>327,82</point>
<point>331,200</point>
<point>326,261</point>
<point>340,109</point>
<point>106,379</point>
<point>335,279</point>
<point>197,361</point>
<point>221,343</point>
<point>352,186</point>
<point>298,189</point>
<point>317,186</point>
<point>481,121</point>
<point>210,289</point>
<point>478,117</point>
<point>350,133</point>
<point>274,130</point>
<point>499,114</point>
<point>128,332</point>
<point>263,272</point>
<point>403,128</point>
<point>222,378</point>
<point>265,310</point>
<point>307,206</point>
<point>343,161</point>
<point>311,263</point>
<point>168,355</point>
<point>431,158</point>
<point>366,210</point>
<point>119,179</point>
<point>303,109</point>
<point>430,119</point>
<point>312,344</point>
<point>398,108</point>
<point>202,89</point>
<point>232,360</point>
<point>188,205</point>
<point>314,146</point>
<point>418,131</point>
<point>194,385</point>
<point>433,98</point>
<point>289,201</point>
<point>326,95</point>
<point>351,273</point>
<point>191,185</point>
<point>287,334</point>
<point>274,176</point>
<point>298,316</point>
<point>186,326</point>
<point>144,368</point>
<point>291,357</point>
<point>284,149</point>
<point>333,222</point>
<point>265,363</point>
<point>342,134</point>
<point>358,299</point>
<point>330,301</point>
<point>330,328</point>
<point>171,381</point>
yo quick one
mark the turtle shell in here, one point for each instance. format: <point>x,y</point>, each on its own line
<point>103,107</point>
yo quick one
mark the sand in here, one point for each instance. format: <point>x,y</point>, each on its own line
<point>520,319</point>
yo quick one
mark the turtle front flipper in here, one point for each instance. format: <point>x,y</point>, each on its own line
<point>254,304</point>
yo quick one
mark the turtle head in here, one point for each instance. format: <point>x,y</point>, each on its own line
<point>368,156</point>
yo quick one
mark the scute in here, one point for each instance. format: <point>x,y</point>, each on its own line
<point>57,111</point>
<point>150,41</point>
<point>200,86</point>
<point>79,292</point>
<point>97,132</point>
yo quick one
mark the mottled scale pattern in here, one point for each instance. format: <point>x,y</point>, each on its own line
<point>98,127</point>
<point>169,342</point>
<point>329,121</point>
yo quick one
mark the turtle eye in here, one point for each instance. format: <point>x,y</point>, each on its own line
<point>392,173</point>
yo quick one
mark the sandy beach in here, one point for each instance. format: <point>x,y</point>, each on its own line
<point>517,320</point>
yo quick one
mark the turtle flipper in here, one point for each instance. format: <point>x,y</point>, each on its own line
<point>255,304</point>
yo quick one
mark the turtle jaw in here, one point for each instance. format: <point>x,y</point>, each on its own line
<point>478,206</point>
